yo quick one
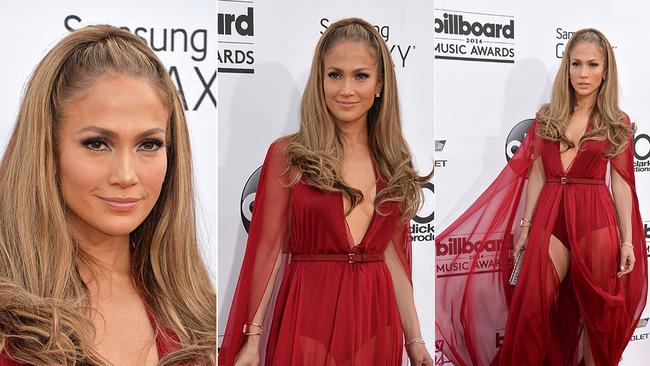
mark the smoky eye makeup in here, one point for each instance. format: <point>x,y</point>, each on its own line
<point>99,143</point>
<point>333,74</point>
<point>362,75</point>
<point>95,143</point>
<point>151,144</point>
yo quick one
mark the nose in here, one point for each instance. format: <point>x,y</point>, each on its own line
<point>347,88</point>
<point>123,171</point>
<point>584,71</point>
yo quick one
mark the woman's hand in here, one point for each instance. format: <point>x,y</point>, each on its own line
<point>627,260</point>
<point>521,243</point>
<point>418,355</point>
<point>249,354</point>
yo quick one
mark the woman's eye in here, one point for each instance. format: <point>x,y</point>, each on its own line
<point>151,145</point>
<point>334,75</point>
<point>95,144</point>
<point>362,76</point>
<point>574,64</point>
<point>593,65</point>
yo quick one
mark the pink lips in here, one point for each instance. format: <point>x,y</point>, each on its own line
<point>346,105</point>
<point>120,204</point>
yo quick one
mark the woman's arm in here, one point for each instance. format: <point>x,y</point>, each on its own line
<point>536,179</point>
<point>622,194</point>
<point>252,341</point>
<point>406,308</point>
<point>268,235</point>
<point>403,295</point>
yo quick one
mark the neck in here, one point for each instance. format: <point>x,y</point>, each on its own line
<point>584,104</point>
<point>354,134</point>
<point>109,255</point>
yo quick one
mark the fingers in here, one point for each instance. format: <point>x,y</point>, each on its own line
<point>428,361</point>
<point>627,265</point>
<point>623,263</point>
<point>421,359</point>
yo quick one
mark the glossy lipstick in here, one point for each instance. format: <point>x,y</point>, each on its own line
<point>120,204</point>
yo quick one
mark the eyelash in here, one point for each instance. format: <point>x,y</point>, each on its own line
<point>157,144</point>
<point>336,75</point>
<point>95,140</point>
<point>576,64</point>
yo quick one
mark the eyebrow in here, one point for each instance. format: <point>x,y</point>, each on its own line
<point>332,68</point>
<point>112,134</point>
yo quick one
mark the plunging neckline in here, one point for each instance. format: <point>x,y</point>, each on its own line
<point>350,239</point>
<point>567,169</point>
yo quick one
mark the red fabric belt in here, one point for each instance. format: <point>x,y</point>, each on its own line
<point>569,180</point>
<point>350,258</point>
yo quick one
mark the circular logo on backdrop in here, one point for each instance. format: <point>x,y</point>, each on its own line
<point>428,216</point>
<point>248,198</point>
<point>642,146</point>
<point>516,137</point>
<point>422,225</point>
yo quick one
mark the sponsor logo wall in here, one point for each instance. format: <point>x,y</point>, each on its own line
<point>494,67</point>
<point>264,56</point>
<point>183,36</point>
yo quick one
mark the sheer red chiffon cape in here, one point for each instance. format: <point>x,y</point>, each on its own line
<point>474,299</point>
<point>292,220</point>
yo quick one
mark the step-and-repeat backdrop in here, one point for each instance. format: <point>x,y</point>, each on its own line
<point>183,34</point>
<point>496,76</point>
<point>265,51</point>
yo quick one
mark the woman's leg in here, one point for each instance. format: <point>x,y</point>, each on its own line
<point>560,257</point>
<point>589,358</point>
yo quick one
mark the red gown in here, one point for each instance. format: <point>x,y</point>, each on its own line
<point>327,310</point>
<point>481,320</point>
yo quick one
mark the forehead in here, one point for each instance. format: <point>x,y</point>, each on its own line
<point>117,102</point>
<point>346,52</point>
<point>586,50</point>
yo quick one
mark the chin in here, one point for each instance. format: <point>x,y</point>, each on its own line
<point>117,227</point>
<point>585,93</point>
<point>347,118</point>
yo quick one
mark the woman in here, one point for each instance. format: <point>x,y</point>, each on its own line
<point>583,277</point>
<point>99,262</point>
<point>330,223</point>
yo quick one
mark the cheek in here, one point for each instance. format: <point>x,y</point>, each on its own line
<point>370,90</point>
<point>329,88</point>
<point>79,175</point>
<point>152,175</point>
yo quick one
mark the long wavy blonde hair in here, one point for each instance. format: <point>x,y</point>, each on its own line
<point>316,150</point>
<point>608,120</point>
<point>44,306</point>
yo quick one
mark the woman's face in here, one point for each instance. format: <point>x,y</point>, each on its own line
<point>112,155</point>
<point>350,80</point>
<point>587,68</point>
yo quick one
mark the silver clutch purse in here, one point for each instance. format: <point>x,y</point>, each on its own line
<point>515,271</point>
